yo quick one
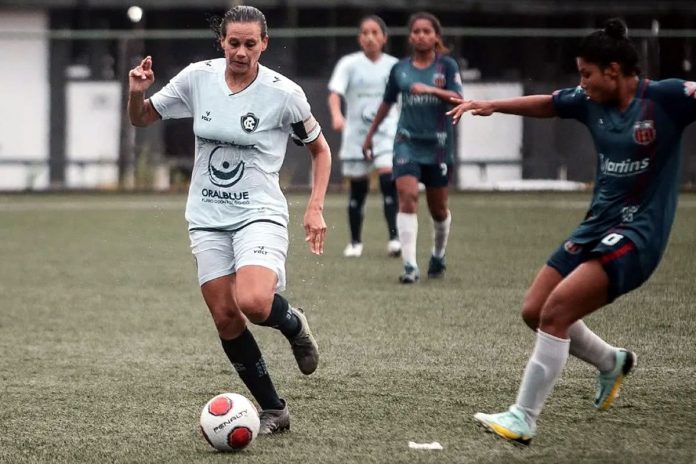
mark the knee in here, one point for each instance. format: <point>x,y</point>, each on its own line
<point>440,214</point>
<point>408,208</point>
<point>530,313</point>
<point>229,325</point>
<point>255,306</point>
<point>408,203</point>
<point>554,317</point>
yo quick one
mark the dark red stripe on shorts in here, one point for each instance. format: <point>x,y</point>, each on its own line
<point>617,254</point>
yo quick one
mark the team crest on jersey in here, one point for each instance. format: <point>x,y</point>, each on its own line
<point>439,79</point>
<point>690,89</point>
<point>368,114</point>
<point>249,122</point>
<point>572,247</point>
<point>224,170</point>
<point>644,132</point>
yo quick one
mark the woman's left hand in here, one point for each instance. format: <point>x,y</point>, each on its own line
<point>477,108</point>
<point>315,230</point>
<point>419,88</point>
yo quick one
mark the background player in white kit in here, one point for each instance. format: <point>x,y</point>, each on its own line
<point>360,79</point>
<point>242,116</point>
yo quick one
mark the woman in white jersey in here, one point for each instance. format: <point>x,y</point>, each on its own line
<point>360,79</point>
<point>242,116</point>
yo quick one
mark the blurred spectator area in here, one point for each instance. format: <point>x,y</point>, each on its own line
<point>70,131</point>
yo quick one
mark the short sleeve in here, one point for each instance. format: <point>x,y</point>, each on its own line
<point>391,92</point>
<point>571,103</point>
<point>174,100</point>
<point>340,77</point>
<point>679,99</point>
<point>297,118</point>
<point>453,79</point>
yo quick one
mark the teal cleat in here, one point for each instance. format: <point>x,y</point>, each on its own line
<point>436,267</point>
<point>411,274</point>
<point>510,425</point>
<point>608,384</point>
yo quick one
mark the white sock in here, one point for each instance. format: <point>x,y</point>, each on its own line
<point>407,225</point>
<point>586,345</point>
<point>543,369</point>
<point>441,232</point>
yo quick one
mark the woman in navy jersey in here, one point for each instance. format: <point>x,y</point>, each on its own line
<point>243,114</point>
<point>423,147</point>
<point>637,126</point>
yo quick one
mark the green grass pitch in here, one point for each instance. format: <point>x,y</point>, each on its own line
<point>107,352</point>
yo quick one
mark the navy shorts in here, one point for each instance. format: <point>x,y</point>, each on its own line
<point>619,257</point>
<point>431,175</point>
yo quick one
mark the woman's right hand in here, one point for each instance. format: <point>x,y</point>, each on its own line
<point>141,77</point>
<point>367,148</point>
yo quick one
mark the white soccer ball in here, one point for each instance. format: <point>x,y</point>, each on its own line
<point>229,422</point>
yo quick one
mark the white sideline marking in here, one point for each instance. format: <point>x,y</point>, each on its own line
<point>336,201</point>
<point>7,204</point>
<point>425,446</point>
<point>92,206</point>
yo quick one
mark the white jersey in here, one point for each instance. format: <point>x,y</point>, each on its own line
<point>361,82</point>
<point>241,139</point>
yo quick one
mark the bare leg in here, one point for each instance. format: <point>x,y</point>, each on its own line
<point>579,294</point>
<point>238,342</point>
<point>442,219</point>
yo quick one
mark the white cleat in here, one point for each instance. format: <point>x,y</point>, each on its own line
<point>353,250</point>
<point>394,248</point>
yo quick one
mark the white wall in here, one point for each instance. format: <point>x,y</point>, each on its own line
<point>92,133</point>
<point>24,111</point>
<point>494,138</point>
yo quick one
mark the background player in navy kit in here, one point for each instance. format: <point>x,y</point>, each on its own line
<point>423,148</point>
<point>360,79</point>
<point>236,211</point>
<point>637,126</point>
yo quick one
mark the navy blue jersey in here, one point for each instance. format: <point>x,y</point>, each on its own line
<point>423,122</point>
<point>638,162</point>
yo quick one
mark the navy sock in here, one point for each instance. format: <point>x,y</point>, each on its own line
<point>246,358</point>
<point>356,207</point>
<point>391,203</point>
<point>282,318</point>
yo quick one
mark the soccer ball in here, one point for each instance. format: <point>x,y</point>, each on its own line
<point>229,422</point>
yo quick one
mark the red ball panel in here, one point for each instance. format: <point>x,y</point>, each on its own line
<point>220,406</point>
<point>239,437</point>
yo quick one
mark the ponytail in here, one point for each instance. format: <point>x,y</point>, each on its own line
<point>611,45</point>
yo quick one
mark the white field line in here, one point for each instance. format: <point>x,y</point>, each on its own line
<point>502,203</point>
<point>92,205</point>
<point>333,201</point>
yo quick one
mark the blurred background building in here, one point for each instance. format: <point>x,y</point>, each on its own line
<point>65,63</point>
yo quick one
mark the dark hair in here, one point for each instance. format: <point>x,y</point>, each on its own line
<point>238,14</point>
<point>439,46</point>
<point>380,22</point>
<point>611,45</point>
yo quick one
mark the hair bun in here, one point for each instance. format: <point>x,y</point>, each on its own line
<point>616,29</point>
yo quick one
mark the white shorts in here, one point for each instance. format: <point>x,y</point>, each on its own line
<point>361,168</point>
<point>222,253</point>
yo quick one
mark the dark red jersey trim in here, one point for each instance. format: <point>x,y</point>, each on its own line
<point>628,247</point>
